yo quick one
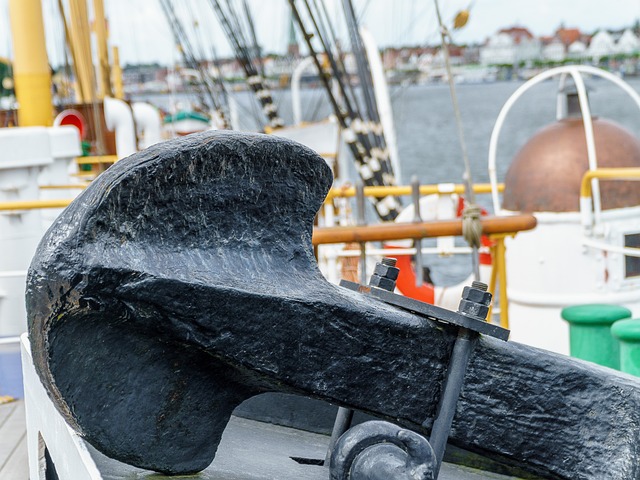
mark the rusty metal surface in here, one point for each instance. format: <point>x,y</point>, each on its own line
<point>545,174</point>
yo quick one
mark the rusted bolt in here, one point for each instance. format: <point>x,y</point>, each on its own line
<point>475,301</point>
<point>385,274</point>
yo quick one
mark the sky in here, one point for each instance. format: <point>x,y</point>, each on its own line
<point>142,33</point>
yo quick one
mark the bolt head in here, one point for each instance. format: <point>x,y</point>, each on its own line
<point>476,295</point>
<point>473,309</point>
<point>386,271</point>
<point>382,282</point>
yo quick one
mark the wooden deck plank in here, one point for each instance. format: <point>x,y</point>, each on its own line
<point>13,446</point>
<point>6,410</point>
<point>17,465</point>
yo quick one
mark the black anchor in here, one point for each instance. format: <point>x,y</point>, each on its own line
<point>183,281</point>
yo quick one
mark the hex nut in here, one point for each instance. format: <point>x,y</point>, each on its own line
<point>382,282</point>
<point>386,271</point>
<point>476,295</point>
<point>473,309</point>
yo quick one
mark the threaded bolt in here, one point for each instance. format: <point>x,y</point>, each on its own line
<point>475,301</point>
<point>385,274</point>
<point>479,285</point>
<point>389,261</point>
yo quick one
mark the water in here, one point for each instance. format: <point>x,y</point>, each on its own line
<point>428,142</point>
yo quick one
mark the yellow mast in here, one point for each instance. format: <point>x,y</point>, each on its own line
<point>100,25</point>
<point>79,29</point>
<point>31,72</point>
<point>116,74</point>
<point>72,49</point>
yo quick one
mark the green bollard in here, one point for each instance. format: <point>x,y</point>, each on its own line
<point>628,332</point>
<point>590,332</point>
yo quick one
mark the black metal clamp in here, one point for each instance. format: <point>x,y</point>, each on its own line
<point>471,322</point>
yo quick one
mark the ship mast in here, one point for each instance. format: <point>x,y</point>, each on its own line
<point>32,75</point>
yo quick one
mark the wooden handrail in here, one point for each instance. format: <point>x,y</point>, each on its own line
<point>397,231</point>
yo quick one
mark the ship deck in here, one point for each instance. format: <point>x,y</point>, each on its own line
<point>249,450</point>
<point>256,446</point>
<point>13,441</point>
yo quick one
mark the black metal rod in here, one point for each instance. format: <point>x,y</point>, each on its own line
<point>417,218</point>
<point>344,417</point>
<point>450,393</point>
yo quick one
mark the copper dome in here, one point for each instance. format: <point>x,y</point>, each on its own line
<point>545,174</point>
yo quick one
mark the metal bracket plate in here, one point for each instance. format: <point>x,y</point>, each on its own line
<point>429,311</point>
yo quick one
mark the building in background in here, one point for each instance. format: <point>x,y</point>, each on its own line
<point>510,46</point>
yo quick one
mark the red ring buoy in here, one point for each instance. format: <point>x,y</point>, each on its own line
<point>72,117</point>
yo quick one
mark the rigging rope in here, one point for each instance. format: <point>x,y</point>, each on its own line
<point>469,214</point>
<point>187,51</point>
<point>361,133</point>
<point>230,22</point>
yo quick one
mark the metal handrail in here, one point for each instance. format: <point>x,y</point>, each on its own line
<point>440,188</point>
<point>586,188</point>
<point>69,186</point>
<point>96,159</point>
<point>34,204</point>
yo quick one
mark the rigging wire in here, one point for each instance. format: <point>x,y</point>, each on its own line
<point>216,83</point>
<point>354,124</point>
<point>230,22</point>
<point>187,51</point>
<point>380,152</point>
<point>471,227</point>
<point>257,51</point>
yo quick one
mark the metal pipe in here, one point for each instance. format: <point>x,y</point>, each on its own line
<point>116,73</point>
<point>415,194</point>
<point>587,192</point>
<point>606,173</point>
<point>360,218</point>
<point>501,266</point>
<point>450,393</point>
<point>80,186</point>
<point>344,417</point>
